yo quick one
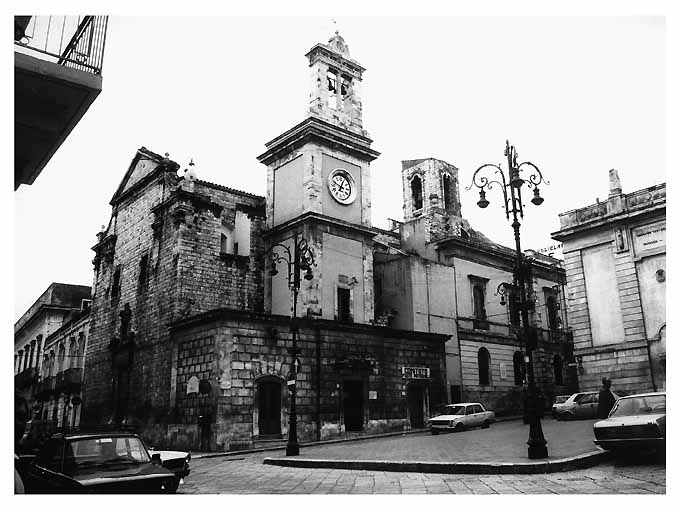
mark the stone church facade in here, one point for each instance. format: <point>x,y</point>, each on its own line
<point>190,333</point>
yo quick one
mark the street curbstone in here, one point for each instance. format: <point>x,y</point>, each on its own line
<point>502,468</point>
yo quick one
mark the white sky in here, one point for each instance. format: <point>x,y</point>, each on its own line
<point>575,95</point>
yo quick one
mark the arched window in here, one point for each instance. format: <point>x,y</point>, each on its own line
<point>417,193</point>
<point>557,366</point>
<point>484,366</point>
<point>551,305</point>
<point>518,366</point>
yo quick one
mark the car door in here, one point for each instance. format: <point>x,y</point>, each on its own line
<point>467,419</point>
<point>481,415</point>
<point>582,409</point>
<point>45,476</point>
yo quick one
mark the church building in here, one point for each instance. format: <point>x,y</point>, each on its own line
<point>191,333</point>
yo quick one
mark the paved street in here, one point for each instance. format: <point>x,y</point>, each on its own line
<point>247,475</point>
<point>502,442</point>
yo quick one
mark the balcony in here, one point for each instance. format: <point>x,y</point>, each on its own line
<point>57,75</point>
<point>68,380</point>
<point>45,388</point>
<point>25,378</point>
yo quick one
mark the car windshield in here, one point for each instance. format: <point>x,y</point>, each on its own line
<point>105,451</point>
<point>630,406</point>
<point>454,410</point>
<point>560,399</point>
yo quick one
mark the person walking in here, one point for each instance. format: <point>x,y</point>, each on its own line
<point>606,399</point>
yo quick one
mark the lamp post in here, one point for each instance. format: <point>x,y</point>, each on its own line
<point>485,178</point>
<point>301,258</point>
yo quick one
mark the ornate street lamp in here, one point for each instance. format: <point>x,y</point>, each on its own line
<point>485,178</point>
<point>301,258</point>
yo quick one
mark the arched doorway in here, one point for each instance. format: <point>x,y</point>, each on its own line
<point>268,407</point>
<point>415,395</point>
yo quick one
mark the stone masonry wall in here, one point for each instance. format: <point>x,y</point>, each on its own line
<point>176,224</point>
<point>249,348</point>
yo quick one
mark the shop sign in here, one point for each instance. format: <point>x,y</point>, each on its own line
<point>415,372</point>
<point>650,238</point>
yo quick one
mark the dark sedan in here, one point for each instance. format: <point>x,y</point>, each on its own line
<point>95,463</point>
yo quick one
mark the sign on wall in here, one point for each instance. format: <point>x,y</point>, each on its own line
<point>192,385</point>
<point>415,372</point>
<point>649,238</point>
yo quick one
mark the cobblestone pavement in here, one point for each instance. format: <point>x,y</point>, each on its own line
<point>247,475</point>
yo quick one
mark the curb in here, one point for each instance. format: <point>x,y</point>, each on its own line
<point>232,453</point>
<point>503,468</point>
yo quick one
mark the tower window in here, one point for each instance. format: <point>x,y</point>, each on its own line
<point>332,89</point>
<point>344,87</point>
<point>446,188</point>
<point>417,193</point>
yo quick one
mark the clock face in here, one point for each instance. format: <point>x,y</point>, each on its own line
<point>342,186</point>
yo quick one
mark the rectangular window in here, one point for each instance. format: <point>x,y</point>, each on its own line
<point>343,305</point>
<point>115,285</point>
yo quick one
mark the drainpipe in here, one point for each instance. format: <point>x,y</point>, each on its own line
<point>427,292</point>
<point>317,333</point>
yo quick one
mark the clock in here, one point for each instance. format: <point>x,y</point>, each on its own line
<point>342,186</point>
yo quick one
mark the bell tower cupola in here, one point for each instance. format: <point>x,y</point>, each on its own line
<point>335,85</point>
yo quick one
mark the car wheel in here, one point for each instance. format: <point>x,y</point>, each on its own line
<point>567,416</point>
<point>459,427</point>
<point>486,424</point>
<point>173,486</point>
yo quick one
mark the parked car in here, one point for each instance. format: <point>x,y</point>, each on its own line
<point>459,417</point>
<point>637,421</point>
<point>175,461</point>
<point>581,405</point>
<point>95,463</point>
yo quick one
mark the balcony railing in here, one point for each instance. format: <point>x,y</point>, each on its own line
<point>543,335</point>
<point>70,41</point>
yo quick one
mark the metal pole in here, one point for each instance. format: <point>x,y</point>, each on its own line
<point>293,447</point>
<point>536,442</point>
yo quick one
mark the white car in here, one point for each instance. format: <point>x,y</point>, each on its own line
<point>459,417</point>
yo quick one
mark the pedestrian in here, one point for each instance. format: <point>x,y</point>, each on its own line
<point>606,399</point>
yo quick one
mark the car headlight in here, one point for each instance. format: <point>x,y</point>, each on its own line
<point>452,423</point>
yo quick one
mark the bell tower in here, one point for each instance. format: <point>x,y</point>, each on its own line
<point>335,85</point>
<point>318,188</point>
